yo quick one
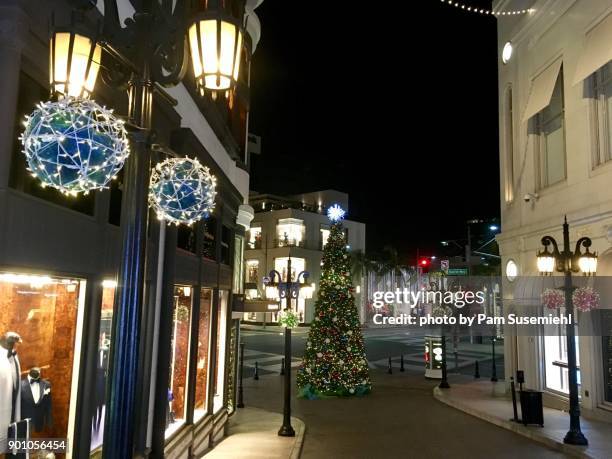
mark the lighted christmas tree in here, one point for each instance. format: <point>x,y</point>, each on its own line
<point>334,361</point>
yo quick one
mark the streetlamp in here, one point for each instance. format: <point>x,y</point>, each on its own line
<point>288,291</point>
<point>149,49</point>
<point>566,262</point>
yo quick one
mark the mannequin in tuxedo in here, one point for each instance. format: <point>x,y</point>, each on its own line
<point>36,400</point>
<point>10,371</point>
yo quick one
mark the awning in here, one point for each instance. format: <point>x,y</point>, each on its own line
<point>597,51</point>
<point>542,88</point>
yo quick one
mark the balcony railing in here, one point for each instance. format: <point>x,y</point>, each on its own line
<point>287,242</point>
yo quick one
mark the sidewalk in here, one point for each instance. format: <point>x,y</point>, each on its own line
<point>486,400</point>
<point>253,433</point>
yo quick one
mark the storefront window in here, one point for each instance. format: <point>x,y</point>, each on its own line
<point>203,364</point>
<point>606,316</point>
<point>238,270</point>
<point>41,318</point>
<point>255,237</point>
<point>177,387</point>
<point>221,348</point>
<point>252,267</point>
<point>290,232</point>
<point>102,358</point>
<point>555,356</point>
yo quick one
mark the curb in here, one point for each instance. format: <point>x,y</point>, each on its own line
<point>520,429</point>
<point>296,452</point>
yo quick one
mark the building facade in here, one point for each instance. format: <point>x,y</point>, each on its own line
<point>59,259</point>
<point>555,99</point>
<point>295,226</point>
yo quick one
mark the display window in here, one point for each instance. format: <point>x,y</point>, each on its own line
<point>221,346</point>
<point>102,361</point>
<point>179,358</point>
<point>203,364</point>
<point>41,319</point>
<point>555,357</point>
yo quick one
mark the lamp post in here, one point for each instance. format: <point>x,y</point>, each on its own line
<point>149,49</point>
<point>286,290</point>
<point>568,262</point>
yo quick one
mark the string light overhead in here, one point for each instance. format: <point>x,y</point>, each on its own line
<point>484,11</point>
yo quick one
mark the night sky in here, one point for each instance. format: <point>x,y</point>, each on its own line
<point>398,108</point>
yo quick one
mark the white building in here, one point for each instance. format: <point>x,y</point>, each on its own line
<point>555,99</point>
<point>297,226</point>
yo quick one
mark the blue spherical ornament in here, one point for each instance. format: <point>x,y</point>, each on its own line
<point>74,145</point>
<point>182,191</point>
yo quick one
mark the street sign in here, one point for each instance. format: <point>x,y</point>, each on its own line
<point>457,272</point>
<point>444,264</point>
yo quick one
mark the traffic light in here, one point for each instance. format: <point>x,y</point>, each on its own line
<point>424,263</point>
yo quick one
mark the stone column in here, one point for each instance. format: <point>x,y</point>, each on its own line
<point>13,30</point>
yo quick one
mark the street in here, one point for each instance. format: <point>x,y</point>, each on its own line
<point>266,347</point>
<point>399,419</point>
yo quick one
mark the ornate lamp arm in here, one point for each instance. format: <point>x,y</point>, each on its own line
<point>304,275</point>
<point>274,273</point>
<point>549,240</point>
<point>584,242</point>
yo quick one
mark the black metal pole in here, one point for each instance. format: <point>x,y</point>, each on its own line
<point>493,367</point>
<point>286,429</point>
<point>444,383</point>
<point>574,436</point>
<point>122,384</point>
<point>240,386</point>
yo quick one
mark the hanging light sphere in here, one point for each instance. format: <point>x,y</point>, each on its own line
<point>182,191</point>
<point>74,145</point>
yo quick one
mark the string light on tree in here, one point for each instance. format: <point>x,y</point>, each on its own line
<point>335,213</point>
<point>484,11</point>
<point>334,360</point>
<point>182,191</point>
<point>74,145</point>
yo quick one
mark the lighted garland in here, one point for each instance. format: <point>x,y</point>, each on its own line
<point>473,9</point>
<point>74,145</point>
<point>182,191</point>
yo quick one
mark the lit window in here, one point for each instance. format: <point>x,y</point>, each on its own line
<point>255,237</point>
<point>290,232</point>
<point>324,237</point>
<point>252,269</point>
<point>509,146</point>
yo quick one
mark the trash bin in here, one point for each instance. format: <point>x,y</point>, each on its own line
<point>532,411</point>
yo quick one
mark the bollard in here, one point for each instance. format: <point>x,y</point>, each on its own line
<point>282,372</point>
<point>476,371</point>
<point>256,375</point>
<point>390,370</point>
<point>402,362</point>
<point>456,361</point>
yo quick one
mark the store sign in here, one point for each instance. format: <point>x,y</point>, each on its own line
<point>457,271</point>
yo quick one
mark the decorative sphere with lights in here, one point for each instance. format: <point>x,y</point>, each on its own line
<point>335,213</point>
<point>182,191</point>
<point>74,145</point>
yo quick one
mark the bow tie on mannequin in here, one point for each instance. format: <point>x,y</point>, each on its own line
<point>32,381</point>
<point>11,353</point>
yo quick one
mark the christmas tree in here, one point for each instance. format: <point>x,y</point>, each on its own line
<point>334,361</point>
